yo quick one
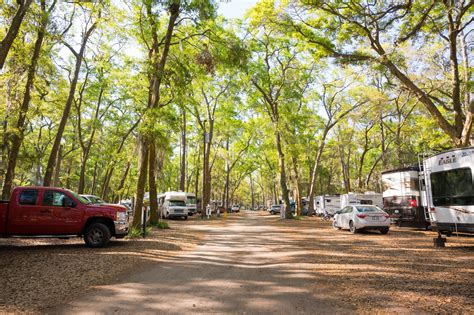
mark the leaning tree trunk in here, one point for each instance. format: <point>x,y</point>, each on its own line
<point>13,30</point>
<point>67,108</point>
<point>18,137</point>
<point>314,172</point>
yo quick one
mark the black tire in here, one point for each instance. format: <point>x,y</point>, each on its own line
<point>97,235</point>
<point>185,217</point>
<point>272,212</point>
<point>352,227</point>
<point>334,225</point>
<point>384,231</point>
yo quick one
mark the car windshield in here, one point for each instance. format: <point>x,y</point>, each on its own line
<point>276,206</point>
<point>177,203</point>
<point>368,209</point>
<point>81,199</point>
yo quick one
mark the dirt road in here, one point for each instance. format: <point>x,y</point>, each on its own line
<point>255,264</point>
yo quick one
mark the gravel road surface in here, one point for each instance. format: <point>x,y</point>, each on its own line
<point>256,264</point>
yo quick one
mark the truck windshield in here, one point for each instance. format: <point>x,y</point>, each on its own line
<point>177,203</point>
<point>191,200</point>
<point>452,188</point>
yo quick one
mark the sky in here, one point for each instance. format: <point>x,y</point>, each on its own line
<point>235,8</point>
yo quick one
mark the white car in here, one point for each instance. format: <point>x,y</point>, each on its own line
<point>362,217</point>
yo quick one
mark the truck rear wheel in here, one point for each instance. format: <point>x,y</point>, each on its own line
<point>97,235</point>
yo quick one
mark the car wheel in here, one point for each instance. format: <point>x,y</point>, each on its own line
<point>272,212</point>
<point>185,217</point>
<point>352,227</point>
<point>334,225</point>
<point>384,231</point>
<point>97,235</point>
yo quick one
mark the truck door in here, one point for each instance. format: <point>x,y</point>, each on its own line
<point>63,218</point>
<point>25,216</point>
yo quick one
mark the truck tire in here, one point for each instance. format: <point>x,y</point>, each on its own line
<point>97,235</point>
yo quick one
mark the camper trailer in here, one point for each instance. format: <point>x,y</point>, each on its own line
<point>329,203</point>
<point>172,204</point>
<point>191,203</point>
<point>447,190</point>
<point>401,197</point>
<point>368,198</point>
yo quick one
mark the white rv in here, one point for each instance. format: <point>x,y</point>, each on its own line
<point>448,190</point>
<point>368,198</point>
<point>172,204</point>
<point>329,203</point>
<point>191,203</point>
<point>401,197</point>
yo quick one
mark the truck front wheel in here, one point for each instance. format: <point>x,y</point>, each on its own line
<point>97,235</point>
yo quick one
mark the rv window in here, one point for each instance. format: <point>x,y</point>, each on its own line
<point>452,188</point>
<point>366,202</point>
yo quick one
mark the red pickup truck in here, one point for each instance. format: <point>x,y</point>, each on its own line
<point>57,212</point>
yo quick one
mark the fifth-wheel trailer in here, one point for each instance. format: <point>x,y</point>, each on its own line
<point>447,190</point>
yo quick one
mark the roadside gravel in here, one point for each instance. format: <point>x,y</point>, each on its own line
<point>37,274</point>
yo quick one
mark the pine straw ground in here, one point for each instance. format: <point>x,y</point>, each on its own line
<point>367,272</point>
<point>37,274</point>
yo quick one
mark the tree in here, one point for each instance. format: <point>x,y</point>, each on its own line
<point>17,136</point>
<point>6,43</point>
<point>343,29</point>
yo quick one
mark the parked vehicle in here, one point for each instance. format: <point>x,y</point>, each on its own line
<point>57,212</point>
<point>172,204</point>
<point>367,198</point>
<point>362,217</point>
<point>191,203</point>
<point>447,190</point>
<point>93,199</point>
<point>235,208</point>
<point>274,209</point>
<point>329,203</point>
<point>402,198</point>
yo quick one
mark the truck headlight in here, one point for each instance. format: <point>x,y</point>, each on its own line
<point>121,216</point>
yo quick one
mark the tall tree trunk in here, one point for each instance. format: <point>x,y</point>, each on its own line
<point>281,164</point>
<point>18,137</point>
<point>138,211</point>
<point>154,87</point>
<point>182,182</point>
<point>67,108</point>
<point>299,205</point>
<point>13,30</point>
<point>252,192</point>
<point>152,184</point>
<point>227,176</point>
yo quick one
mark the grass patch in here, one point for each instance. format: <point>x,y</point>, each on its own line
<point>137,233</point>
<point>298,217</point>
<point>162,225</point>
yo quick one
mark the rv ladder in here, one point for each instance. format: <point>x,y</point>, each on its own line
<point>424,185</point>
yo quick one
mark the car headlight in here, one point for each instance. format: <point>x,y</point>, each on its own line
<point>121,216</point>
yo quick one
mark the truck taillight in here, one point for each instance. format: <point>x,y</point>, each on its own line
<point>413,203</point>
